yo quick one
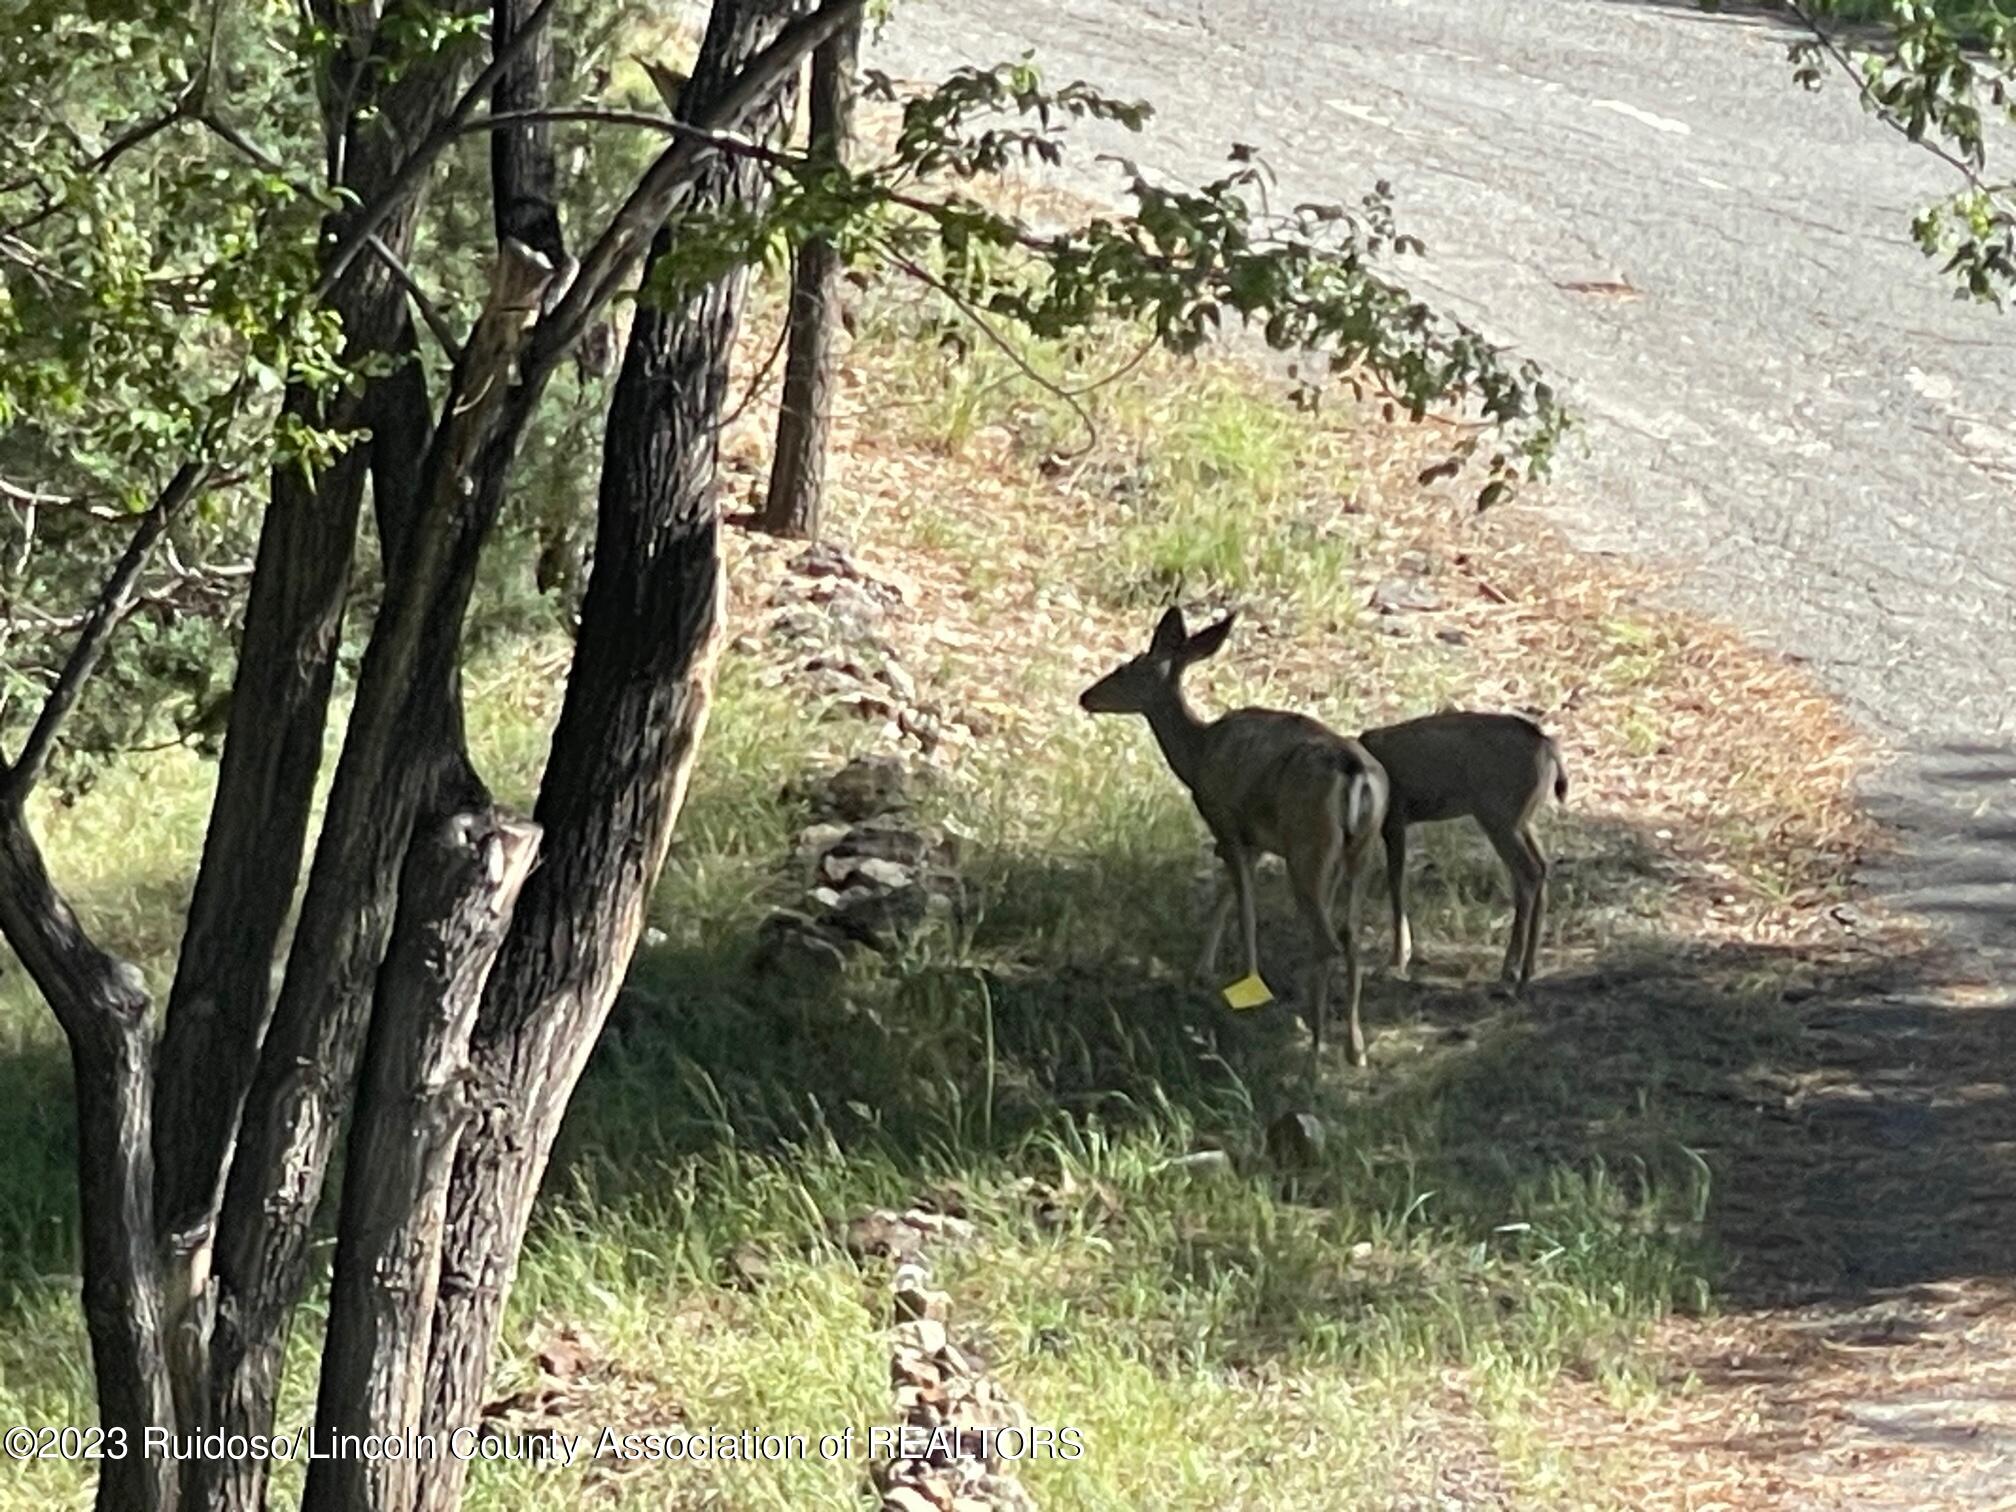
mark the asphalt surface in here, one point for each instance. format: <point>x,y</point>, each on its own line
<point>1788,409</point>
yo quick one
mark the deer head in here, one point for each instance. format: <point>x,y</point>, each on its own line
<point>1141,683</point>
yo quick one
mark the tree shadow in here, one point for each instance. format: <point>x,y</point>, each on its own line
<point>1950,813</point>
<point>38,1165</point>
<point>1842,1119</point>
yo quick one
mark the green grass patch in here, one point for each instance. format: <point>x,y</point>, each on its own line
<point>1507,1194</point>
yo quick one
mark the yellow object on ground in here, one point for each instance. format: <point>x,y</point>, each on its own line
<point>1248,992</point>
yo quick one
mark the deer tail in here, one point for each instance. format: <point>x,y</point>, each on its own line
<point>1358,797</point>
<point>1560,771</point>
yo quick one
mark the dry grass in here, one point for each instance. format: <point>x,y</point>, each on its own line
<point>992,547</point>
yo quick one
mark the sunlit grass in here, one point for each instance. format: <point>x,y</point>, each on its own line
<point>1486,1204</point>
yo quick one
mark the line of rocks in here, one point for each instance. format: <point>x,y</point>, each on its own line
<point>828,616</point>
<point>876,877</point>
<point>948,1408</point>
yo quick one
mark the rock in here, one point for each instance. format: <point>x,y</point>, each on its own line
<point>1399,595</point>
<point>954,1360</point>
<point>880,917</point>
<point>850,872</point>
<point>851,612</point>
<point>925,1335</point>
<point>895,839</point>
<point>913,1367</point>
<point>813,842</point>
<point>860,703</point>
<point>865,787</point>
<point>797,948</point>
<point>920,727</point>
<point>564,1356</point>
<point>940,1225</point>
<point>824,559</point>
<point>798,623</point>
<point>1419,563</point>
<point>914,1302</point>
<point>898,681</point>
<point>1296,1140</point>
<point>881,1235</point>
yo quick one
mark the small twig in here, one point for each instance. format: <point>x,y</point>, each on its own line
<point>131,138</point>
<point>429,312</point>
<point>965,306</point>
<point>762,376</point>
<point>28,513</point>
<point>1831,45</point>
<point>624,238</point>
<point>114,600</point>
<point>33,496</point>
<point>230,134</point>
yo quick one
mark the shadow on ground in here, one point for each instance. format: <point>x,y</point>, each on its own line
<point>1848,1106</point>
<point>1951,813</point>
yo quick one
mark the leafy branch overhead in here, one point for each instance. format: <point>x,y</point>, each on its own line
<point>1185,263</point>
<point>1939,73</point>
<point>163,283</point>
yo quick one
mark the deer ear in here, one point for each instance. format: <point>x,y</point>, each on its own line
<point>1207,641</point>
<point>1170,633</point>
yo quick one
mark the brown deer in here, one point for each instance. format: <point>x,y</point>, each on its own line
<point>1265,782</point>
<point>1496,768</point>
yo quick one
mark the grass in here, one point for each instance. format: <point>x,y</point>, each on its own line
<point>1507,1199</point>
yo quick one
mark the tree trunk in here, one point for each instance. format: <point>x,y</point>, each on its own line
<point>402,756</point>
<point>630,726</point>
<point>460,885</point>
<point>103,1008</point>
<point>798,469</point>
<point>220,1002</point>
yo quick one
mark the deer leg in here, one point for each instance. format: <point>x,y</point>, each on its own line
<point>1353,898</point>
<point>1519,870</point>
<point>1315,879</point>
<point>1394,834</point>
<point>1240,860</point>
<point>1536,913</point>
<point>1214,930</point>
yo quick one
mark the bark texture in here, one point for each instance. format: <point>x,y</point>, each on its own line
<point>222,995</point>
<point>402,756</point>
<point>629,728</point>
<point>461,882</point>
<point>103,1007</point>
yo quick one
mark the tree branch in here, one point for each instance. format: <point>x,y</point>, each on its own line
<point>407,177</point>
<point>429,311</point>
<point>114,600</point>
<point>101,1002</point>
<point>628,231</point>
<point>1830,44</point>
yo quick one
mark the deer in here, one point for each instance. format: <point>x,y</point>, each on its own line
<point>1494,768</point>
<point>1264,781</point>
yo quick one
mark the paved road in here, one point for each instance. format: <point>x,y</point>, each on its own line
<point>1792,411</point>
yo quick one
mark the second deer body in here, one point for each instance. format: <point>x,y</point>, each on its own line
<point>1496,768</point>
<point>1265,782</point>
